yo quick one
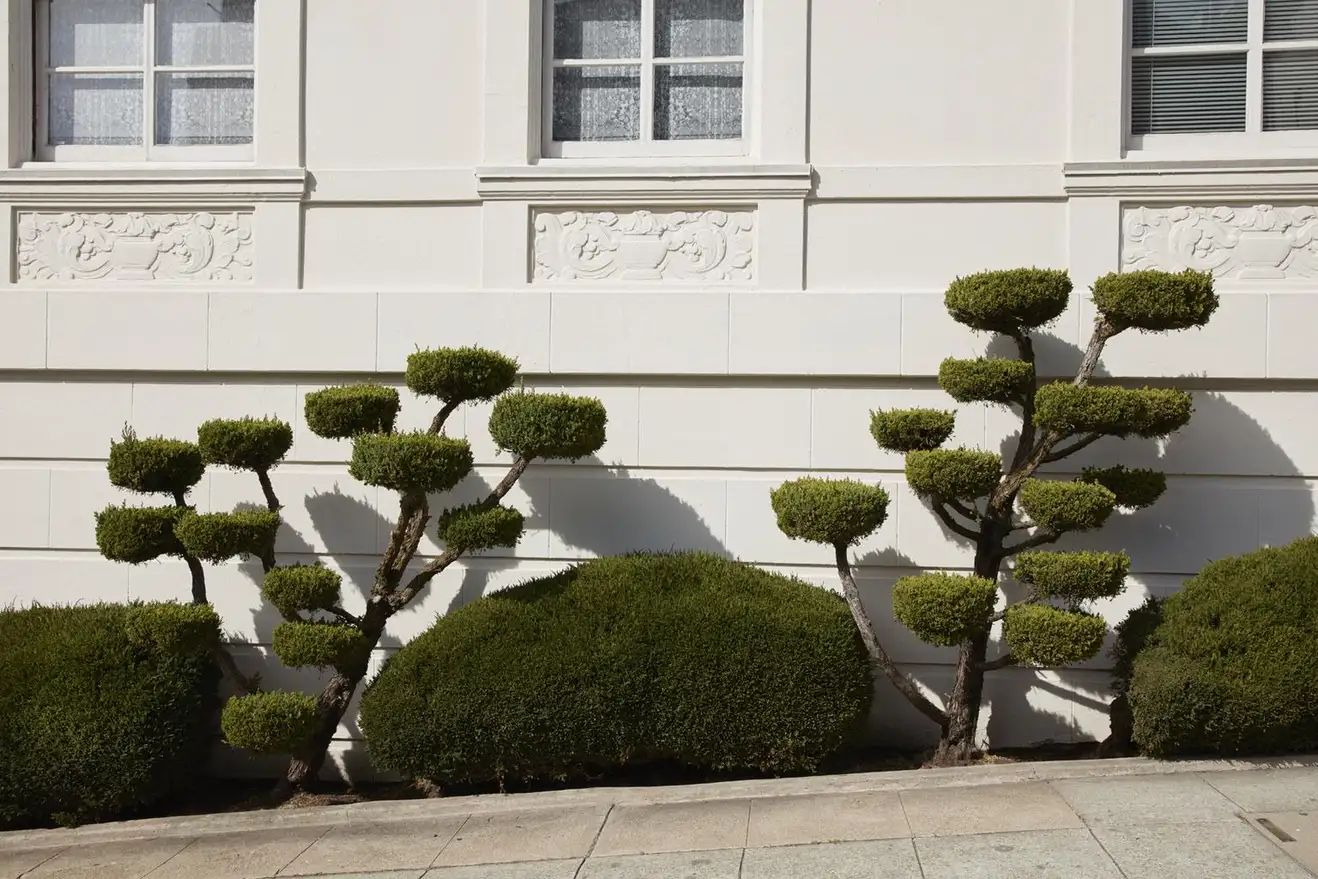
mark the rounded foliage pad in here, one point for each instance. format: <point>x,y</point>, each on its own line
<point>1066,506</point>
<point>1008,301</point>
<point>245,443</point>
<point>548,425</point>
<point>295,588</point>
<point>835,512</point>
<point>349,410</point>
<point>1073,576</point>
<point>1110,410</point>
<point>322,645</point>
<point>218,537</point>
<point>954,474</point>
<point>689,658</point>
<point>1153,300</point>
<point>477,526</point>
<point>911,430</point>
<point>269,723</point>
<point>1134,488</point>
<point>944,609</point>
<point>419,463</point>
<point>154,465</point>
<point>178,629</point>
<point>986,379</point>
<point>138,534</point>
<point>458,375</point>
<point>1038,634</point>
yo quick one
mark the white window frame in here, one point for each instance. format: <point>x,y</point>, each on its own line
<point>647,146</point>
<point>148,150</point>
<point>1253,139</point>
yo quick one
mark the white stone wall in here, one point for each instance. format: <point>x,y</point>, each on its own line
<point>906,142</point>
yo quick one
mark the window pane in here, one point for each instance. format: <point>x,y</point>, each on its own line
<point>203,108</point>
<point>1178,22</point>
<point>597,103</point>
<point>1290,20</point>
<point>1290,90</point>
<point>697,102</point>
<point>1187,93</point>
<point>192,32</point>
<point>95,108</point>
<point>698,28</point>
<point>597,28</point>
<point>96,32</point>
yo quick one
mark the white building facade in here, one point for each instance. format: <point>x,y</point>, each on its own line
<point>730,220</point>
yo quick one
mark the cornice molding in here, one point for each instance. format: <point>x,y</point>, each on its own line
<point>652,184</point>
<point>1197,180</point>
<point>194,187</point>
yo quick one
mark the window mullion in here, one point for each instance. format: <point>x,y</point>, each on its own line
<point>647,70</point>
<point>1254,69</point>
<point>149,78</point>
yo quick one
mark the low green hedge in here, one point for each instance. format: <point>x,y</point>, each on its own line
<point>1232,665</point>
<point>103,708</point>
<point>687,657</point>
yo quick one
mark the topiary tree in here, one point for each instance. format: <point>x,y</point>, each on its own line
<point>1000,503</point>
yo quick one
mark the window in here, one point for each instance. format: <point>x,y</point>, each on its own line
<point>1239,68</point>
<point>645,77</point>
<point>134,80</point>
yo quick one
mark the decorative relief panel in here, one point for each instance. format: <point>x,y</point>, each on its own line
<point>130,246</point>
<point>1237,242</point>
<point>641,245</point>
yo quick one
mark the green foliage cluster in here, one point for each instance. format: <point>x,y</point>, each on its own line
<point>1232,667</point>
<point>1135,488</point>
<point>138,534</point>
<point>985,379</point>
<point>1154,301</point>
<point>218,537</point>
<point>953,474</point>
<point>1111,410</point>
<point>548,425</point>
<point>944,609</point>
<point>244,443</point>
<point>322,645</point>
<point>911,430</point>
<point>1042,635</point>
<point>420,463</point>
<point>834,512</point>
<point>1066,506</point>
<point>154,465</point>
<point>269,723</point>
<point>1008,301</point>
<point>1073,576</point>
<point>97,718</point>
<point>477,526</point>
<point>296,588</point>
<point>349,410</point>
<point>691,658</point>
<point>458,375</point>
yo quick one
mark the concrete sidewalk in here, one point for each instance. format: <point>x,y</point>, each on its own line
<point>1079,819</point>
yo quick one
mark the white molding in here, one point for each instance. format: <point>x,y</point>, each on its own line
<point>1194,179</point>
<point>396,185</point>
<point>643,182</point>
<point>839,182</point>
<point>44,183</point>
<point>16,81</point>
<point>1255,242</point>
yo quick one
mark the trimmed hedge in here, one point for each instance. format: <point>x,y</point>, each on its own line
<point>1066,506</point>
<point>1073,576</point>
<point>475,527</point>
<point>269,723</point>
<point>1042,635</point>
<point>458,375</point>
<point>154,465</point>
<point>686,657</point>
<point>954,474</point>
<point>834,512</point>
<point>548,425</point>
<point>1010,300</point>
<point>1110,410</point>
<point>138,534</point>
<point>296,588</point>
<point>218,537</point>
<point>1134,488</point>
<point>1232,667</point>
<point>244,443</point>
<point>986,379</point>
<point>104,708</point>
<point>419,462</point>
<point>944,609</point>
<point>318,645</point>
<point>1154,300</point>
<point>348,410</point>
<point>911,430</point>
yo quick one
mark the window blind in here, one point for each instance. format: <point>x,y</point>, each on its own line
<point>1186,22</point>
<point>1178,93</point>
<point>1290,20</point>
<point>1290,89</point>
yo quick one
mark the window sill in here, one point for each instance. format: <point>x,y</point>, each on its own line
<point>1182,177</point>
<point>572,180</point>
<point>144,183</point>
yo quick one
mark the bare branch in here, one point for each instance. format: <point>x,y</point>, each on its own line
<point>224,659</point>
<point>1002,661</point>
<point>1025,345</point>
<point>437,424</point>
<point>1067,451</point>
<point>969,512</point>
<point>345,616</point>
<point>268,489</point>
<point>1044,536</point>
<point>952,524</point>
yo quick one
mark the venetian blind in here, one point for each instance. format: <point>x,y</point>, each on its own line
<point>1180,93</point>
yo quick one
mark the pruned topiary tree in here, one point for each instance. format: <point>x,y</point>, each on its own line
<point>1000,503</point>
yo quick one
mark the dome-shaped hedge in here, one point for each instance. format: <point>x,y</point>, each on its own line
<point>1232,668</point>
<point>685,657</point>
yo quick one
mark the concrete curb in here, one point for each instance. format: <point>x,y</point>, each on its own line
<point>399,810</point>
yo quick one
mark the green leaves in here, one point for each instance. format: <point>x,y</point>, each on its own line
<point>269,723</point>
<point>244,443</point>
<point>1066,506</point>
<point>1153,300</point>
<point>178,629</point>
<point>420,463</point>
<point>295,588</point>
<point>155,465</point>
<point>1009,301</point>
<point>459,375</point>
<point>1110,410</point>
<point>944,609</point>
<point>548,425</point>
<point>218,537</point>
<point>835,512</point>
<point>1038,634</point>
<point>477,526</point>
<point>322,645</point>
<point>911,430</point>
<point>1135,489</point>
<point>346,411</point>
<point>953,474</point>
<point>1073,576</point>
<point>138,534</point>
<point>986,379</point>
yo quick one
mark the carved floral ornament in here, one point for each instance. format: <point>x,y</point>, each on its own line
<point>1232,242</point>
<point>698,245</point>
<point>131,246</point>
